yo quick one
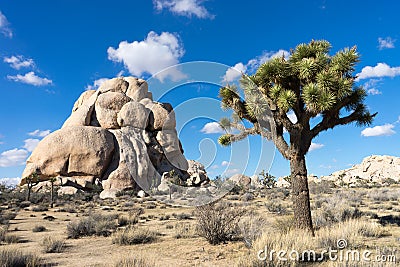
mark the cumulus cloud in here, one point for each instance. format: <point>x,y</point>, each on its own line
<point>225,163</point>
<point>4,26</point>
<point>380,70</point>
<point>17,62</point>
<point>96,84</point>
<point>315,146</point>
<point>380,130</point>
<point>39,133</point>
<point>387,42</point>
<point>186,8</point>
<point>13,157</point>
<point>233,73</point>
<point>30,144</point>
<point>212,128</point>
<point>150,56</point>
<point>30,78</point>
<point>10,182</point>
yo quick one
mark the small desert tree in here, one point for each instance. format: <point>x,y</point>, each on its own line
<point>31,181</point>
<point>310,83</point>
<point>268,180</point>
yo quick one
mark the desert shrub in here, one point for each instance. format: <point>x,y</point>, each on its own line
<point>184,230</point>
<point>3,231</point>
<point>53,245</point>
<point>284,224</point>
<point>16,258</point>
<point>323,187</point>
<point>94,224</point>
<point>333,210</point>
<point>182,216</point>
<point>277,193</point>
<point>133,235</point>
<point>384,194</point>
<point>38,228</point>
<point>40,208</point>
<point>5,217</point>
<point>132,218</point>
<point>134,261</point>
<point>247,197</point>
<point>24,204</point>
<point>164,217</point>
<point>11,239</point>
<point>251,227</point>
<point>217,222</point>
<point>276,207</point>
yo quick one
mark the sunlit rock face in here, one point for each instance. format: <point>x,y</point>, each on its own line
<point>116,138</point>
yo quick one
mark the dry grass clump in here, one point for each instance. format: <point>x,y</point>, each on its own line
<point>53,245</point>
<point>383,194</point>
<point>135,261</point>
<point>217,222</point>
<point>333,210</point>
<point>94,224</point>
<point>251,227</point>
<point>39,228</point>
<point>184,230</point>
<point>133,235</point>
<point>16,258</point>
<point>132,218</point>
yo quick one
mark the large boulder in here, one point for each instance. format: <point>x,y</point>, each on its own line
<point>71,151</point>
<point>107,107</point>
<point>117,138</point>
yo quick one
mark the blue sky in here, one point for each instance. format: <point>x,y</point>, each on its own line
<point>51,51</point>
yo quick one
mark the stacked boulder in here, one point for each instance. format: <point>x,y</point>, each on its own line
<point>117,138</point>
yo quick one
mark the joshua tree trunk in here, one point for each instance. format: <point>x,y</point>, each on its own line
<point>300,193</point>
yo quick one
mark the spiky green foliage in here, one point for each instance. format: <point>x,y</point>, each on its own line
<point>310,82</point>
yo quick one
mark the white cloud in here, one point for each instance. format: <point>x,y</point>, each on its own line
<point>152,55</point>
<point>19,61</point>
<point>387,42</point>
<point>380,130</point>
<point>4,29</point>
<point>370,87</point>
<point>374,91</point>
<point>213,167</point>
<point>10,181</point>
<point>235,72</point>
<point>13,157</point>
<point>30,144</point>
<point>380,70</point>
<point>96,84</point>
<point>39,133</point>
<point>211,128</point>
<point>30,78</point>
<point>226,163</point>
<point>254,63</point>
<point>315,146</point>
<point>186,8</point>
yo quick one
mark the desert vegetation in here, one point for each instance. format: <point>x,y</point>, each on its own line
<point>84,230</point>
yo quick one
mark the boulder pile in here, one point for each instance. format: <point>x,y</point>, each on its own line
<point>117,138</point>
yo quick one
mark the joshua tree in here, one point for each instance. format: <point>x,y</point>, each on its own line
<point>309,83</point>
<point>267,179</point>
<point>31,181</point>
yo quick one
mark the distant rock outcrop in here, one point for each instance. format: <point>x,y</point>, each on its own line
<point>117,138</point>
<point>373,170</point>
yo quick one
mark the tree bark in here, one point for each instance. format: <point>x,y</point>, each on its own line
<point>300,193</point>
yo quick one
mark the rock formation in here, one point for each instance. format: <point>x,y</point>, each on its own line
<point>116,138</point>
<point>373,170</point>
